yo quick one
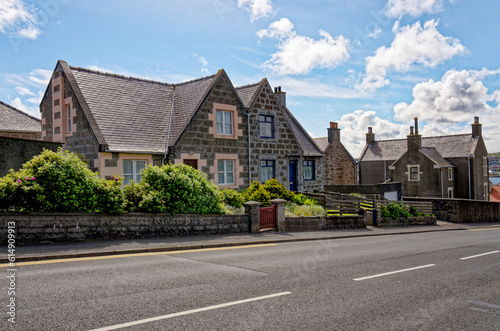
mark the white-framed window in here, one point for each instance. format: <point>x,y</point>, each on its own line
<point>224,121</point>
<point>225,171</point>
<point>309,170</point>
<point>450,173</point>
<point>267,170</point>
<point>68,116</point>
<point>132,170</point>
<point>413,172</point>
<point>450,193</point>
<point>485,166</point>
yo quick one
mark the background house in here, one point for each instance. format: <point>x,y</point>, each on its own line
<point>445,166</point>
<point>15,123</point>
<point>338,164</point>
<point>121,124</point>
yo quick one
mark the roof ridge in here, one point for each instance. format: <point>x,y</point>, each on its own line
<point>248,85</point>
<point>119,76</point>
<point>402,139</point>
<point>19,111</point>
<point>196,79</point>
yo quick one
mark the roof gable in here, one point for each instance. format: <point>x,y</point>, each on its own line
<point>307,144</point>
<point>248,93</point>
<point>15,120</point>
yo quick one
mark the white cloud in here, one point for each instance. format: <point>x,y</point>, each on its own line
<point>415,8</point>
<point>17,103</point>
<point>457,97</point>
<point>355,125</point>
<point>313,88</point>
<point>203,62</point>
<point>298,55</point>
<point>257,8</point>
<point>18,20</point>
<point>375,34</point>
<point>24,91</point>
<point>412,44</point>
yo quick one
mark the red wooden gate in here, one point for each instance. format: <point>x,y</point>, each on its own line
<point>268,218</point>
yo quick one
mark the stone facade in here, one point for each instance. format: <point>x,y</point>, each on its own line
<point>81,139</point>
<point>198,140</point>
<point>410,221</point>
<point>317,223</point>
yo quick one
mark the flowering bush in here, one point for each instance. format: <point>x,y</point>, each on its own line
<point>231,197</point>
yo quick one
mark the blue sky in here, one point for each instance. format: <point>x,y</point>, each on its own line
<point>361,63</point>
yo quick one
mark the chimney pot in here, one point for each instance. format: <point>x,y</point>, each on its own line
<point>334,125</point>
<point>411,130</point>
<point>370,129</point>
<point>476,119</point>
<point>416,125</point>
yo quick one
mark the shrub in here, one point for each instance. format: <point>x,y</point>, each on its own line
<point>304,210</point>
<point>394,210</point>
<point>178,189</point>
<point>231,198</point>
<point>133,195</point>
<point>277,190</point>
<point>110,197</point>
<point>301,199</point>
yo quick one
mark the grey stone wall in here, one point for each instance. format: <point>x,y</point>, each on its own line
<point>410,221</point>
<point>66,227</point>
<point>318,223</point>
<point>339,168</point>
<point>15,152</point>
<point>372,172</point>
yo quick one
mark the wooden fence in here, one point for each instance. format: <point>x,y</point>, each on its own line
<point>346,204</point>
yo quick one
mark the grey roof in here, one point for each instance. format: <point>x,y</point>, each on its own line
<point>309,147</point>
<point>247,93</point>
<point>321,142</point>
<point>15,120</point>
<point>133,114</point>
<point>461,145</point>
<point>433,154</point>
<point>188,98</point>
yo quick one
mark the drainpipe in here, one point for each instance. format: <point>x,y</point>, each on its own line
<point>169,125</point>
<point>442,184</point>
<point>468,166</point>
<point>249,150</point>
<point>385,171</point>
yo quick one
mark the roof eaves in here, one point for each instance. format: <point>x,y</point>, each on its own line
<point>320,153</point>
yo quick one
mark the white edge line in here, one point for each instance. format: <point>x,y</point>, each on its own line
<point>471,257</point>
<point>187,312</point>
<point>394,272</point>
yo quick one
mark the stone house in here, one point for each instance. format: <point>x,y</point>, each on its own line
<point>120,124</point>
<point>454,166</point>
<point>15,123</point>
<point>339,166</point>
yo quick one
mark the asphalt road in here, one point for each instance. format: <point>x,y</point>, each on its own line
<point>428,281</point>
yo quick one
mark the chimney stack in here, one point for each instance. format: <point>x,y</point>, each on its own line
<point>281,96</point>
<point>333,132</point>
<point>414,140</point>
<point>370,136</point>
<point>476,127</point>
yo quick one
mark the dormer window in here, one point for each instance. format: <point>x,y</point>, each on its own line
<point>413,173</point>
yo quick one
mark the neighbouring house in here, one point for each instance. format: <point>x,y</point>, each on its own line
<point>15,123</point>
<point>495,193</point>
<point>279,146</point>
<point>338,164</point>
<point>454,166</point>
<point>120,124</point>
<point>20,135</point>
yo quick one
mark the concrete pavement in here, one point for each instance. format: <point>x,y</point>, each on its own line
<point>44,251</point>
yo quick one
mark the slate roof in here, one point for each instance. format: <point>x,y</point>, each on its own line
<point>15,120</point>
<point>309,147</point>
<point>434,155</point>
<point>247,93</point>
<point>453,146</point>
<point>321,142</point>
<point>133,114</point>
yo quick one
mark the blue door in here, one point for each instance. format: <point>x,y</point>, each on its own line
<point>292,166</point>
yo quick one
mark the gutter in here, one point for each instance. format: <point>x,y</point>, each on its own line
<point>169,125</point>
